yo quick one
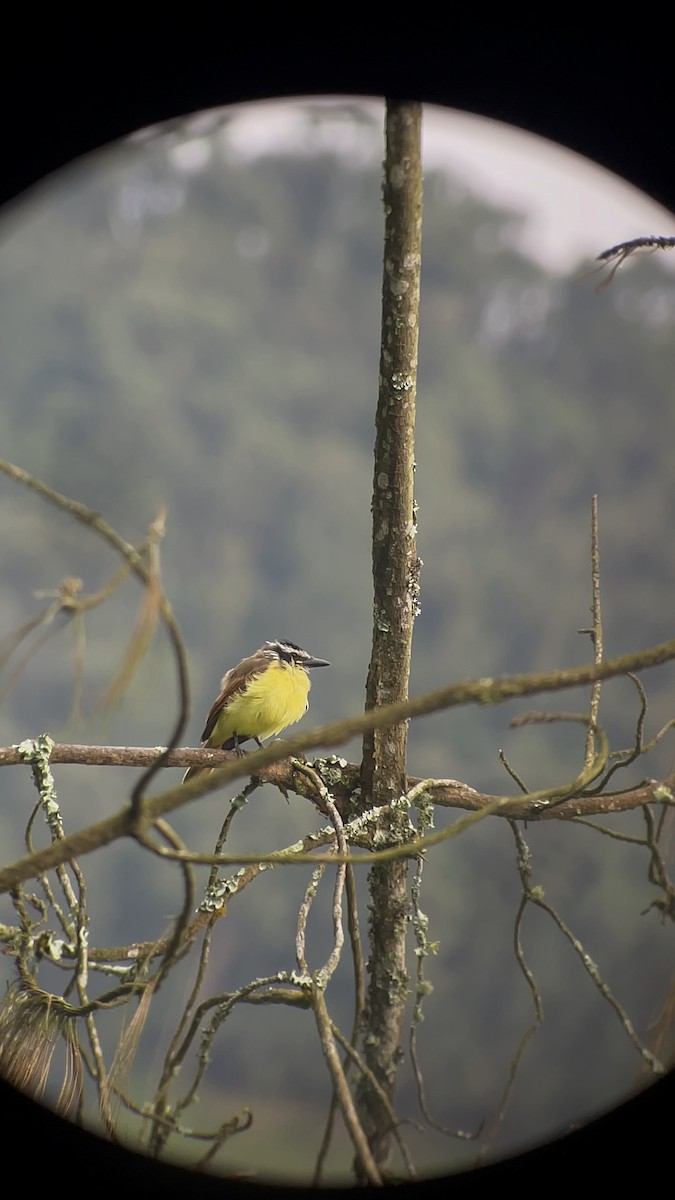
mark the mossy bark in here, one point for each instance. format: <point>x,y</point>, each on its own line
<point>396,586</point>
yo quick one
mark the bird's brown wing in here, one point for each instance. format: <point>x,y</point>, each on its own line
<point>233,681</point>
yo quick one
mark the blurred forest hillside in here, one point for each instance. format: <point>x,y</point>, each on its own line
<point>181,326</point>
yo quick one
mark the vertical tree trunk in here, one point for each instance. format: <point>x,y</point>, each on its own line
<point>395,578</point>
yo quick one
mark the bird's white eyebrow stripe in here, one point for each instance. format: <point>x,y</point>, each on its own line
<point>289,649</point>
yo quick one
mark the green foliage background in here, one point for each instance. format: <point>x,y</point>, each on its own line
<point>208,339</point>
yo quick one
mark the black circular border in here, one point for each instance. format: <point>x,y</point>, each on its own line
<point>606,93</point>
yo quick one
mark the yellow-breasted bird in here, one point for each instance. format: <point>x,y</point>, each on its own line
<point>259,697</point>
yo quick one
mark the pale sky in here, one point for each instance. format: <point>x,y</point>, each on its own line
<point>574,207</point>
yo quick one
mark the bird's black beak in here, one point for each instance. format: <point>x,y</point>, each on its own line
<point>316,662</point>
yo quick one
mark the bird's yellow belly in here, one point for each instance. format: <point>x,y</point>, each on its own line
<point>274,699</point>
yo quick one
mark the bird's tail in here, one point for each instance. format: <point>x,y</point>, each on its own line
<point>193,772</point>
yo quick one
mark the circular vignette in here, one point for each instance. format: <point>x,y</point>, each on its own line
<point>604,99</point>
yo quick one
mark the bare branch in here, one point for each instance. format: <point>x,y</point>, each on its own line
<point>134,560</point>
<point>396,569</point>
<point>596,631</point>
<point>623,250</point>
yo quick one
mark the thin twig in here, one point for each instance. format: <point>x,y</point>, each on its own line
<point>596,632</point>
<point>364,1157</point>
<point>95,521</point>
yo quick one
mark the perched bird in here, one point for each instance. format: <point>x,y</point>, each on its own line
<point>259,697</point>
